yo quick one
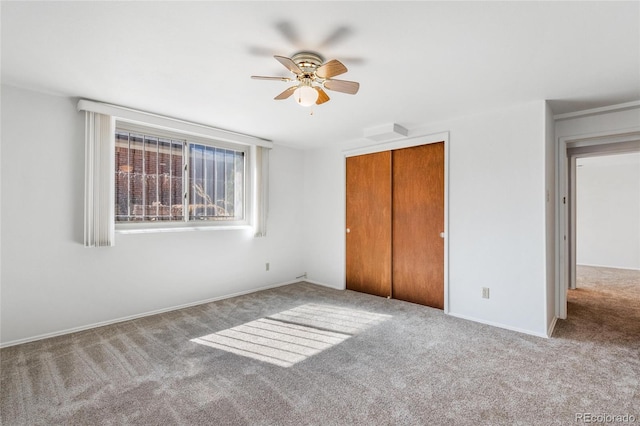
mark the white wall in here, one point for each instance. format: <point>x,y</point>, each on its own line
<point>608,211</point>
<point>325,222</point>
<point>51,283</point>
<point>550,216</point>
<point>496,222</point>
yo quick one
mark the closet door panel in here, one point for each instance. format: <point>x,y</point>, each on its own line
<point>368,238</point>
<point>418,220</point>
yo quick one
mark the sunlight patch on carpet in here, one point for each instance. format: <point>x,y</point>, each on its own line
<point>291,336</point>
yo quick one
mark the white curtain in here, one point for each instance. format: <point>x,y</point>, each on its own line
<point>99,221</point>
<point>262,190</point>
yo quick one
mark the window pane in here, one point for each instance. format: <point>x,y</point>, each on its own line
<point>229,170</point>
<point>215,183</point>
<point>148,178</point>
<point>122,177</point>
<point>151,181</point>
<point>136,189</point>
<point>239,185</point>
<point>219,158</point>
<point>169,180</point>
<point>177,188</point>
<point>208,181</point>
<point>195,180</point>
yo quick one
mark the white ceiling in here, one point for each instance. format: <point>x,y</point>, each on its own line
<point>417,62</point>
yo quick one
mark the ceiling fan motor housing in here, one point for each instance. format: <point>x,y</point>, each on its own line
<point>308,62</point>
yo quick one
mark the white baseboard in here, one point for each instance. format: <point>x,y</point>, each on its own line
<point>322,284</point>
<point>608,266</point>
<point>136,316</point>
<point>499,325</point>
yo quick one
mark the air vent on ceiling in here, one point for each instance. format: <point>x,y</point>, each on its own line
<point>386,132</point>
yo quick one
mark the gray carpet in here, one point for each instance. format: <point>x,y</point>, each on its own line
<point>303,354</point>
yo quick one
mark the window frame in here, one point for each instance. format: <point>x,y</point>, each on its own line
<point>186,224</point>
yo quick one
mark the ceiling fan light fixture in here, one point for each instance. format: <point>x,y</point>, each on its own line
<point>305,95</point>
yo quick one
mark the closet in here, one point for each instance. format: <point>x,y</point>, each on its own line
<point>395,224</point>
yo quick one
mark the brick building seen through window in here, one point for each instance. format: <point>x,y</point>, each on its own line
<point>165,179</point>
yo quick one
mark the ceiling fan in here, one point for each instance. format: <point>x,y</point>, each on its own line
<point>312,76</point>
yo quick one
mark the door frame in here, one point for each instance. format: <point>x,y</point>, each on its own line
<point>408,143</point>
<point>569,149</point>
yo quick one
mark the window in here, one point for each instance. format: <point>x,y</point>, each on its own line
<point>160,177</point>
<point>148,172</point>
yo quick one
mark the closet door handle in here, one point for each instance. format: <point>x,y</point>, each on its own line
<point>442,235</point>
<point>348,230</point>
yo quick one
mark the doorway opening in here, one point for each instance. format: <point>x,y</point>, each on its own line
<point>582,151</point>
<point>606,295</point>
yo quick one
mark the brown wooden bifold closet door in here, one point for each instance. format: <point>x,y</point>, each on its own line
<point>418,220</point>
<point>368,239</point>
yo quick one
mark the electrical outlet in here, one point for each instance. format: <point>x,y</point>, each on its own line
<point>266,266</point>
<point>485,292</point>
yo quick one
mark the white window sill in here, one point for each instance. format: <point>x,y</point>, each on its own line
<point>141,229</point>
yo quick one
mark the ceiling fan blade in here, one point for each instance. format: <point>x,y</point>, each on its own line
<point>289,64</point>
<point>350,87</point>
<point>338,35</point>
<point>331,69</point>
<point>259,77</point>
<point>289,32</point>
<point>288,92</point>
<point>322,96</point>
